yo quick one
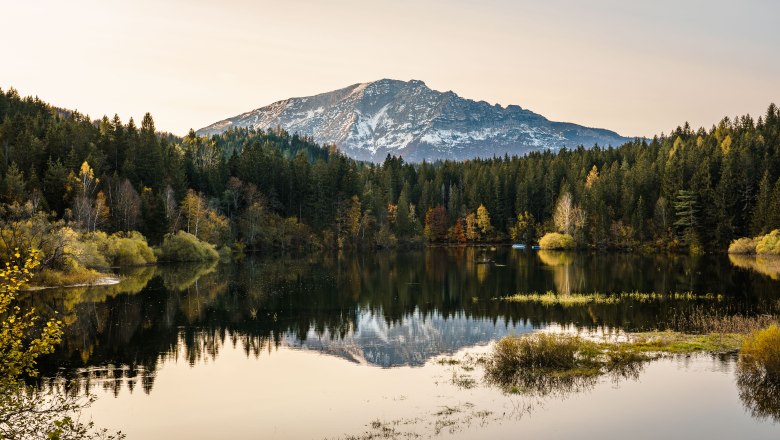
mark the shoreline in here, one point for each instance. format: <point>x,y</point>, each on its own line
<point>102,281</point>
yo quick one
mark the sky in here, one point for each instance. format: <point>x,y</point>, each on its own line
<point>637,67</point>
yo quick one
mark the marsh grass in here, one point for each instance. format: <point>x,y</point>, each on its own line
<point>542,364</point>
<point>670,342</point>
<point>705,320</point>
<point>76,276</point>
<point>578,299</point>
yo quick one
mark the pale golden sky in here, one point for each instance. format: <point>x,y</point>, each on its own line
<point>635,67</point>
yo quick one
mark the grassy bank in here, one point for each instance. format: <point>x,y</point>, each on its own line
<point>542,363</point>
<point>82,276</point>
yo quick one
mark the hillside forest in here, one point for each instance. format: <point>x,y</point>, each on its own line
<point>67,180</point>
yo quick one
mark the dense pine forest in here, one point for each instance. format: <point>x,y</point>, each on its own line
<point>690,190</point>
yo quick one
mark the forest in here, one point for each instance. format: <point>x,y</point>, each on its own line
<point>68,180</point>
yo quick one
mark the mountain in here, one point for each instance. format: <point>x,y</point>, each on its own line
<point>369,120</point>
<point>411,342</point>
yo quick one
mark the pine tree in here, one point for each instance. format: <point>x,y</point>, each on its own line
<point>761,213</point>
<point>685,211</point>
<point>403,223</point>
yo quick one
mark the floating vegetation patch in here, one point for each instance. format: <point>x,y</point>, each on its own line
<point>578,299</point>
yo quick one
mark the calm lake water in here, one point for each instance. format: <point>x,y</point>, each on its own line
<point>354,345</point>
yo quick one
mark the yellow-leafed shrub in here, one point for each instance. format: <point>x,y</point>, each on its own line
<point>554,240</point>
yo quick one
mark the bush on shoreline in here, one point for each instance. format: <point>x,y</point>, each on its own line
<point>185,247</point>
<point>99,250</point>
<point>761,351</point>
<point>556,241</point>
<point>743,246</point>
<point>768,244</point>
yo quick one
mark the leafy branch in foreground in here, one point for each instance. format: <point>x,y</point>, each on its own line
<point>27,412</point>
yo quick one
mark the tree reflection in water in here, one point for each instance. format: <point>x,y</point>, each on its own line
<point>120,334</point>
<point>759,393</point>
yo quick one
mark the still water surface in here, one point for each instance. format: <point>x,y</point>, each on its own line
<point>351,345</point>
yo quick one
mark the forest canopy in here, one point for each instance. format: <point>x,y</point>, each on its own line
<point>690,190</point>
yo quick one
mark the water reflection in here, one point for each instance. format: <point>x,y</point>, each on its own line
<point>385,309</point>
<point>766,265</point>
<point>759,393</point>
<point>758,378</point>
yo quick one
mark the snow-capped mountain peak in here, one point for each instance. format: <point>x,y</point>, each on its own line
<point>367,121</point>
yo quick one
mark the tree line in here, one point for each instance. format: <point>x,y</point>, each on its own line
<point>692,190</point>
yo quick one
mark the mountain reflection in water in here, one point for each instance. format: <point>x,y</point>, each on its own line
<point>386,309</point>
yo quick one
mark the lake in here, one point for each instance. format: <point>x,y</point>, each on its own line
<point>364,346</point>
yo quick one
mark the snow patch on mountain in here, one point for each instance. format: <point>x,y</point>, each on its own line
<point>370,120</point>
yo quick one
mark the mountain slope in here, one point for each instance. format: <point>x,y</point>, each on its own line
<point>369,120</point>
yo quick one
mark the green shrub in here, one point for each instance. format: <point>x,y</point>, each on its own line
<point>225,252</point>
<point>99,250</point>
<point>90,252</point>
<point>761,351</point>
<point>183,246</point>
<point>743,246</point>
<point>769,244</point>
<point>130,249</point>
<point>554,240</point>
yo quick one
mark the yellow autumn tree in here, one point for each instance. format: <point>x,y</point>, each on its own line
<point>203,222</point>
<point>593,177</point>
<point>90,210</point>
<point>472,230</point>
<point>483,222</point>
